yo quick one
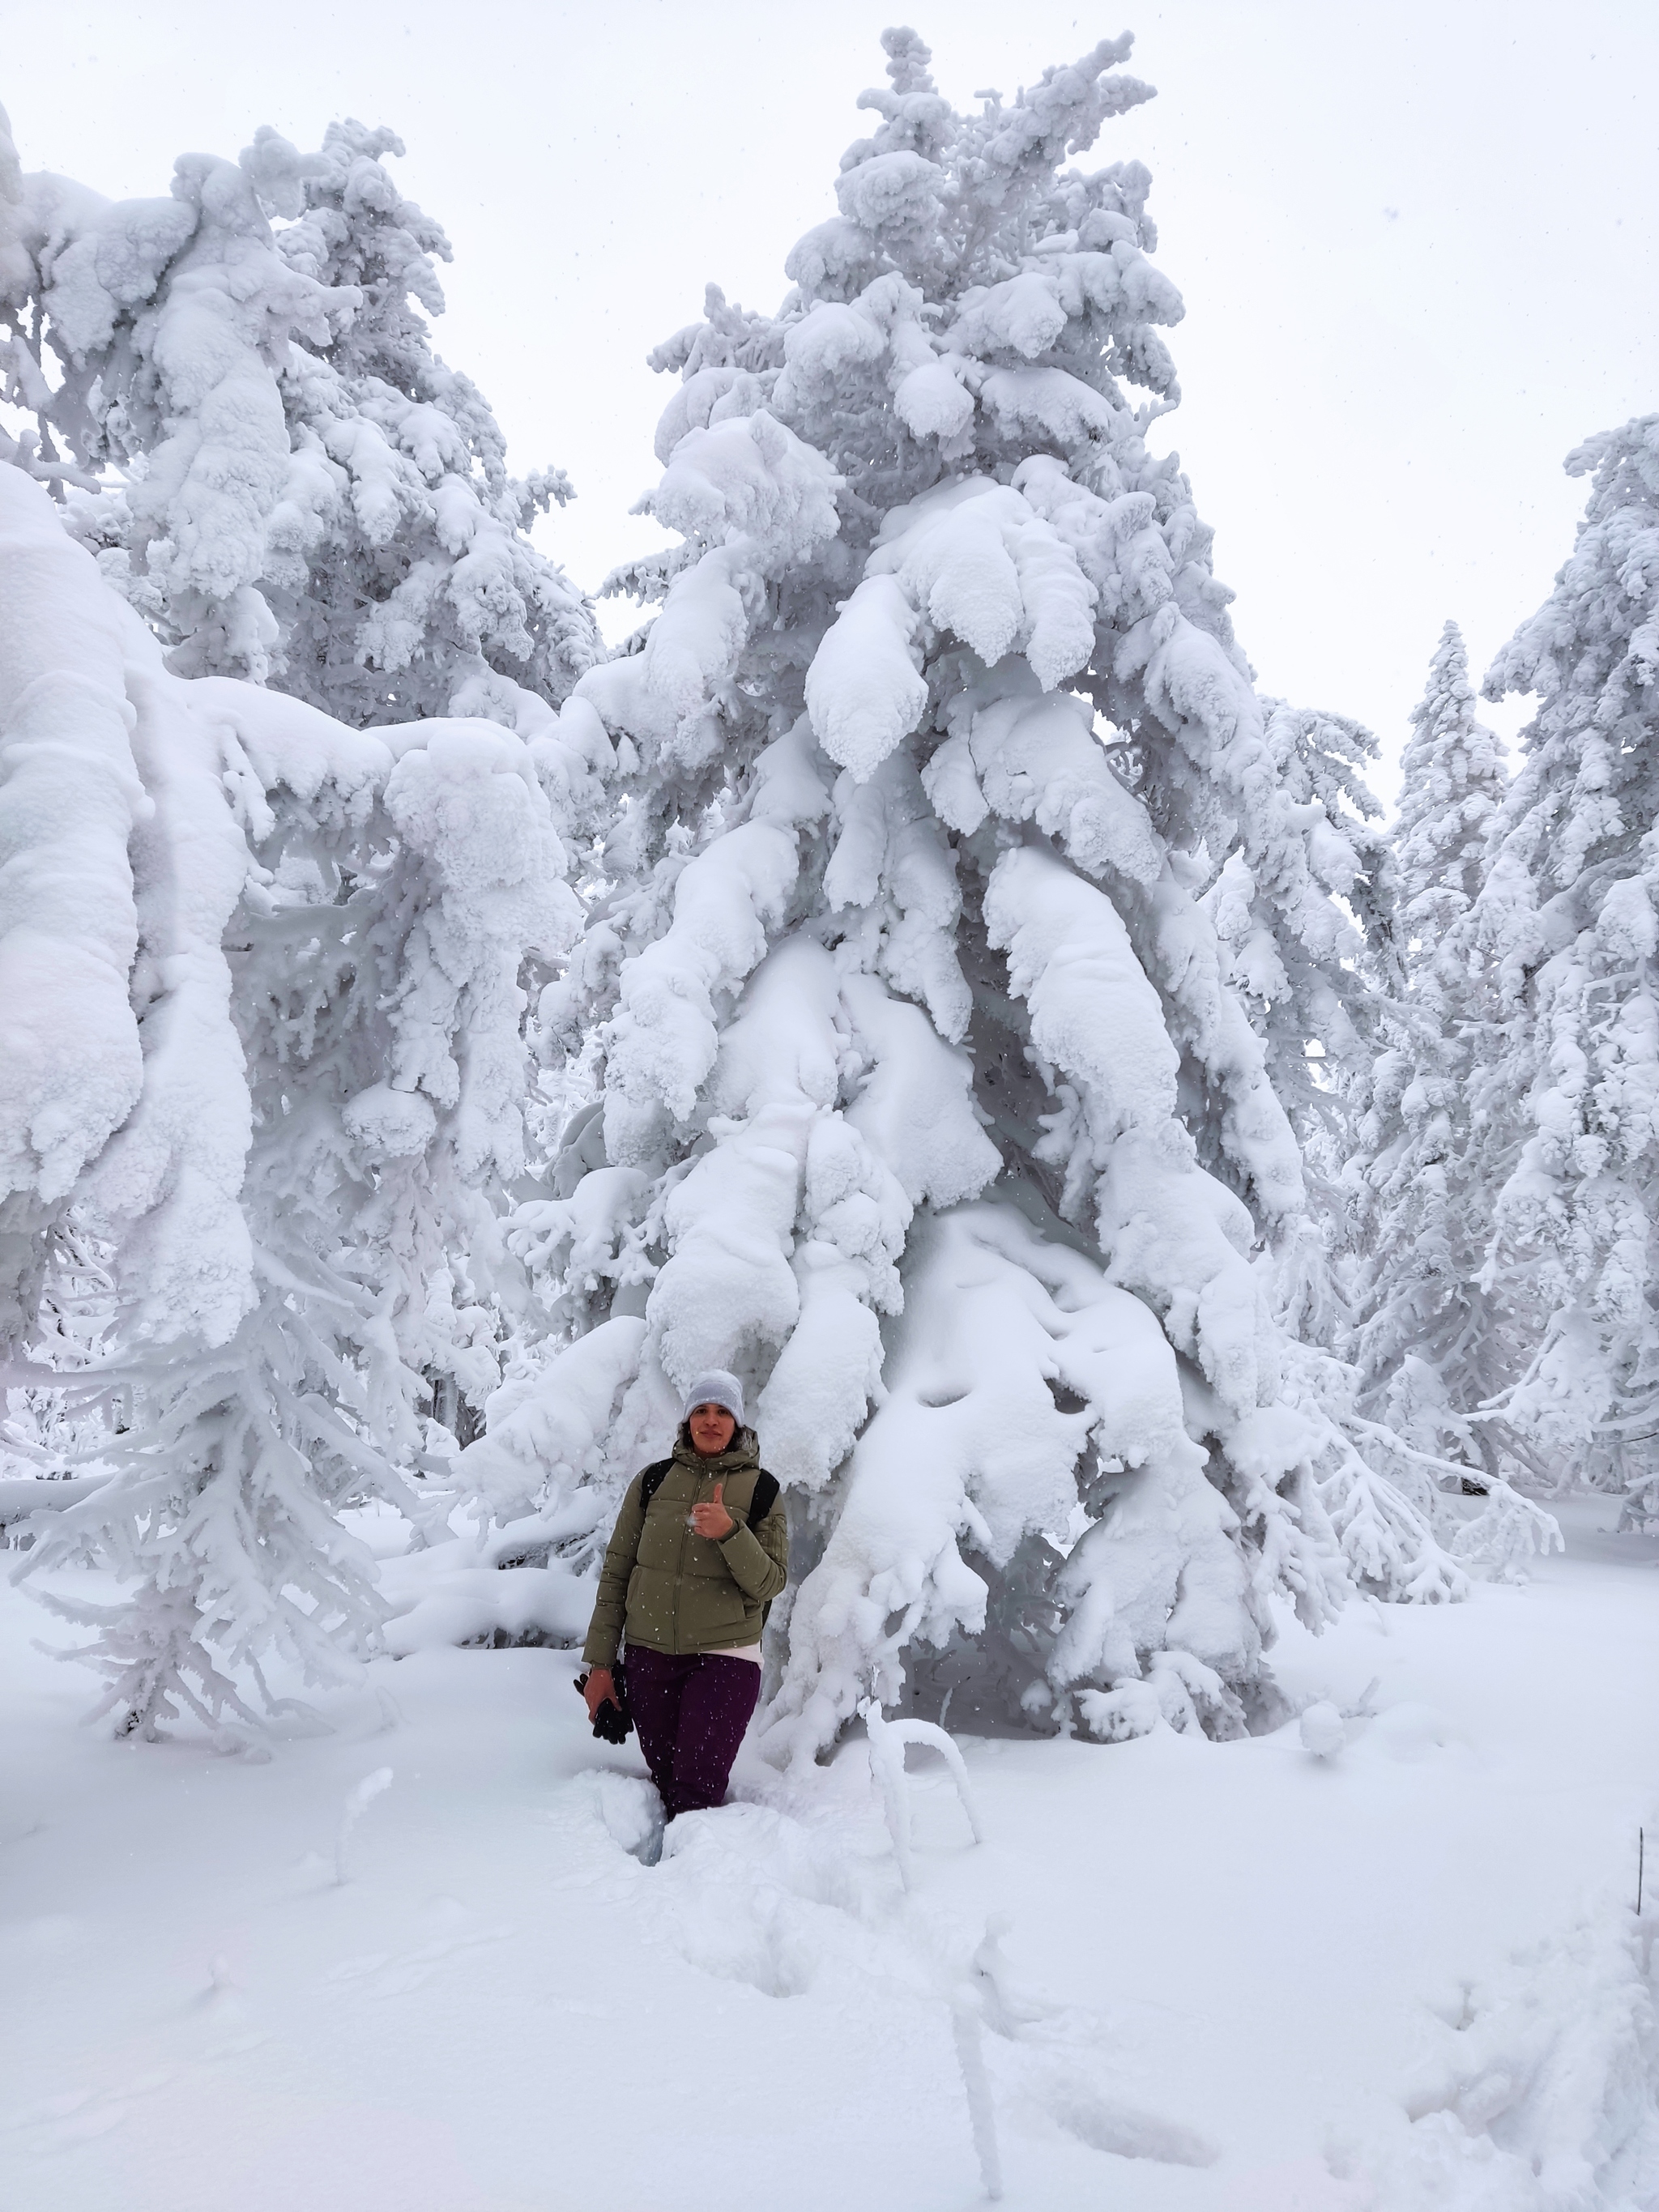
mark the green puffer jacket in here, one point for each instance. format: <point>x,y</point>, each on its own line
<point>679,1592</point>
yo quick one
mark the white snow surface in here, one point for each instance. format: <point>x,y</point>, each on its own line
<point>419,1962</point>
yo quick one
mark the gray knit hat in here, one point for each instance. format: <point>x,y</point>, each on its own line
<point>716,1388</point>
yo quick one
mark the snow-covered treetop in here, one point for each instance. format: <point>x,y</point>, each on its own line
<point>355,228</point>
<point>1000,287</point>
<point>1588,789</point>
<point>1452,781</point>
<point>296,487</point>
<point>961,348</point>
<point>964,305</point>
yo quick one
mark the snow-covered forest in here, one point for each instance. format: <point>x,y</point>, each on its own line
<point>1186,1233</point>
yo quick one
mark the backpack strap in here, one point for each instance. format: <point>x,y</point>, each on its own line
<point>651,1482</point>
<point>762,1499</point>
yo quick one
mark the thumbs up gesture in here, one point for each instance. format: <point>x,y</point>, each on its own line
<point>713,1519</point>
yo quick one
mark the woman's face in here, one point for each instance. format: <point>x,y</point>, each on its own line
<point>711,1428</point>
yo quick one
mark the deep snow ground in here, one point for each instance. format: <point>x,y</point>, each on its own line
<point>1235,1979</point>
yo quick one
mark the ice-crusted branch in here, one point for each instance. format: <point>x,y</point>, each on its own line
<point>888,1740</point>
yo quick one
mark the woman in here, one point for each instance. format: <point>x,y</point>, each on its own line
<point>688,1575</point>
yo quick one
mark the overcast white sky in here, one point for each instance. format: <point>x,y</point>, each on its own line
<point>1416,243</point>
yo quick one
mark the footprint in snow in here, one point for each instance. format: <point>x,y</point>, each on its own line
<point>82,2116</point>
<point>632,1814</point>
<point>394,1974</point>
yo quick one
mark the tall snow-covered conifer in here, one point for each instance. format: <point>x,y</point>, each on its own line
<point>294,486</point>
<point>1432,1343</point>
<point>262,976</point>
<point>1316,997</point>
<point>923,1099</point>
<point>1568,914</point>
<point>1308,977</point>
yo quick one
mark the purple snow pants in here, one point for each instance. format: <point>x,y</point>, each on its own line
<point>690,1713</point>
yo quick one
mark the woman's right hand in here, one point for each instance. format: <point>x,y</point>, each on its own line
<point>599,1689</point>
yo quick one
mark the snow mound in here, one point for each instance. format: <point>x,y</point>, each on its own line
<point>1539,2094</point>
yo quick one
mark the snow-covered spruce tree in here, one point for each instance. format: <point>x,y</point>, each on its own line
<point>1567,914</point>
<point>294,486</point>
<point>922,1101</point>
<point>262,981</point>
<point>1432,1344</point>
<point>1316,994</point>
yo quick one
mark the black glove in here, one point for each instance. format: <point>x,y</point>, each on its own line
<point>613,1722</point>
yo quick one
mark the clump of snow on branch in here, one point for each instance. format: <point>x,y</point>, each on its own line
<point>234,390</point>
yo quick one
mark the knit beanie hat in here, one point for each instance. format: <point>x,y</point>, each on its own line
<point>717,1387</point>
